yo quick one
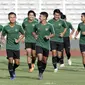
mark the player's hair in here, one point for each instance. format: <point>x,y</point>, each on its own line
<point>83,13</point>
<point>63,16</point>
<point>44,14</point>
<point>31,11</point>
<point>12,13</point>
<point>57,11</point>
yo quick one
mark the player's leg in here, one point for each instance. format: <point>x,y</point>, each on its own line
<point>67,50</point>
<point>39,52</point>
<point>33,55</point>
<point>83,58</point>
<point>82,49</point>
<point>28,52</point>
<point>60,49</point>
<point>45,58</point>
<point>62,58</point>
<point>54,55</point>
<point>10,63</point>
<point>16,61</point>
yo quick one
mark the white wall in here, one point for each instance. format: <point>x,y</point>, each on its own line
<point>72,8</point>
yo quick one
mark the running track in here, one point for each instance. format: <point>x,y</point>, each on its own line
<point>74,53</point>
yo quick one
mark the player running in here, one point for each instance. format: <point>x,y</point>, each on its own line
<point>81,30</point>
<point>13,31</point>
<point>43,32</point>
<point>30,41</point>
<point>56,42</point>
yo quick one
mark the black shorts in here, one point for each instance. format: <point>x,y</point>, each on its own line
<point>82,47</point>
<point>56,46</point>
<point>66,43</point>
<point>30,45</point>
<point>43,51</point>
<point>12,53</point>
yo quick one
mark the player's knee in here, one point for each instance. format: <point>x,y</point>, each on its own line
<point>83,54</point>
<point>59,53</point>
<point>54,53</point>
<point>17,62</point>
<point>34,55</point>
<point>28,52</point>
<point>10,60</point>
<point>45,59</point>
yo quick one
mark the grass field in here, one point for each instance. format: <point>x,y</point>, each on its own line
<point>69,75</point>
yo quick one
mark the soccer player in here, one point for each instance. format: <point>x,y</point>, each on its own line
<point>57,41</point>
<point>66,39</point>
<point>81,30</point>
<point>30,41</point>
<point>1,27</point>
<point>13,32</point>
<point>43,32</point>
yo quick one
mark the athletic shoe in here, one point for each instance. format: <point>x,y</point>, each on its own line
<point>12,78</point>
<point>69,62</point>
<point>62,65</point>
<point>55,70</point>
<point>40,76</point>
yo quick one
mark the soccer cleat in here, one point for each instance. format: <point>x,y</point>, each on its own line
<point>55,70</point>
<point>40,76</point>
<point>12,78</point>
<point>62,65</point>
<point>69,62</point>
<point>31,70</point>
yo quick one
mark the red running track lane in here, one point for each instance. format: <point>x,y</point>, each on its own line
<point>23,53</point>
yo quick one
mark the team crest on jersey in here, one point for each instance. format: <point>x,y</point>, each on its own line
<point>16,30</point>
<point>46,29</point>
<point>33,25</point>
<point>59,24</point>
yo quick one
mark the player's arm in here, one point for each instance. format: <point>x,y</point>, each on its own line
<point>3,34</point>
<point>65,28</point>
<point>52,32</point>
<point>83,33</point>
<point>23,26</point>
<point>72,30</point>
<point>34,32</point>
<point>77,32</point>
<point>21,35</point>
<point>62,34</point>
<point>1,27</point>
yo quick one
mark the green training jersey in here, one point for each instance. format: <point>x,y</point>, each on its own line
<point>59,26</point>
<point>12,34</point>
<point>81,28</point>
<point>28,28</point>
<point>42,31</point>
<point>69,26</point>
<point>1,27</point>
